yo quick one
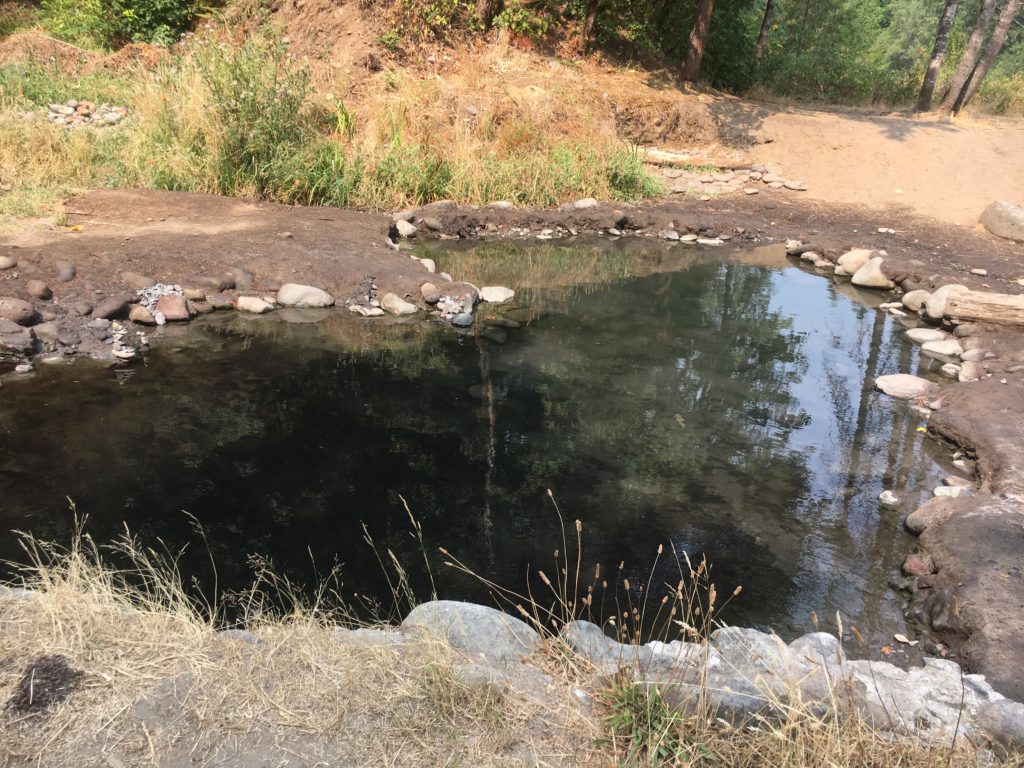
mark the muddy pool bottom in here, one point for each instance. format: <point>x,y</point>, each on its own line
<point>717,404</point>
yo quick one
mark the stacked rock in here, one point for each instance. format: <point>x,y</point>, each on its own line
<point>78,113</point>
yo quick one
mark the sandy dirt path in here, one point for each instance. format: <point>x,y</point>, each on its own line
<point>947,170</point>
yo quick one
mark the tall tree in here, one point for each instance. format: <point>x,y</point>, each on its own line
<point>970,58</point>
<point>766,25</point>
<point>590,23</point>
<point>924,100</point>
<point>995,45</point>
<point>698,40</point>
<point>486,10</point>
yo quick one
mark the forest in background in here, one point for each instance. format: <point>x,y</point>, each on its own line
<point>839,51</point>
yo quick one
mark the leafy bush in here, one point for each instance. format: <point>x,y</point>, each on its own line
<point>113,23</point>
<point>522,19</point>
<point>259,96</point>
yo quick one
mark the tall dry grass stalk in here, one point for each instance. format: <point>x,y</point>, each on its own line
<point>160,684</point>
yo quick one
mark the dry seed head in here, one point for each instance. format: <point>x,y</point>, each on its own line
<point>858,635</point>
<point>579,526</point>
<point>661,548</point>
<point>839,623</point>
<point>597,572</point>
<point>736,591</point>
<point>544,578</point>
<point>625,583</point>
<point>814,619</point>
<point>712,596</point>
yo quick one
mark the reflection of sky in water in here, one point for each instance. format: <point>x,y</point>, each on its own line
<point>721,408</point>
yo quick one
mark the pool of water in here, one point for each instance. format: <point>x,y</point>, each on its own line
<point>716,404</point>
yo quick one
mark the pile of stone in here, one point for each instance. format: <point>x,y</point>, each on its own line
<point>81,113</point>
<point>746,180</point>
<point>159,303</point>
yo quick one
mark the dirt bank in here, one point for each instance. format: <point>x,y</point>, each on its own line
<point>974,598</point>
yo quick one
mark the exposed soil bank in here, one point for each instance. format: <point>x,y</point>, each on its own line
<point>973,600</point>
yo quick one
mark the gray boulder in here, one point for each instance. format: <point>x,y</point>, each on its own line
<point>914,300</point>
<point>1004,219</point>
<point>1003,722</point>
<point>851,261</point>
<point>479,632</point>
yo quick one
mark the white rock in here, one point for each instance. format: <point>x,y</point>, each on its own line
<point>851,261</point>
<point>587,202</point>
<point>405,228</point>
<point>496,294</point>
<point>914,300</point>
<point>970,372</point>
<point>952,370</point>
<point>252,304</point>
<point>871,276</point>
<point>429,264</point>
<point>935,306</point>
<point>708,241</point>
<point>905,386</point>
<point>924,335</point>
<point>945,348</point>
<point>979,272</point>
<point>303,296</point>
<point>397,305</point>
<point>357,309</point>
<point>952,491</point>
<point>888,499</point>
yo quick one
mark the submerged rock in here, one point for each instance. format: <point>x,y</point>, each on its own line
<point>924,335</point>
<point>496,294</point>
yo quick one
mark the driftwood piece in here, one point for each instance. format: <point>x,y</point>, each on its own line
<point>998,308</point>
<point>664,157</point>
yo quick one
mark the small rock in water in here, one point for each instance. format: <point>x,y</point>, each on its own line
<point>405,229</point>
<point>952,370</point>
<point>496,294</point>
<point>463,320</point>
<point>23,368</point>
<point>397,305</point>
<point>359,309</point>
<point>925,335</point>
<point>708,241</point>
<point>495,334</point>
<point>953,491</point>
<point>888,499</point>
<point>943,348</point>
<point>665,234</point>
<point>141,315</point>
<point>905,386</point>
<point>252,304</point>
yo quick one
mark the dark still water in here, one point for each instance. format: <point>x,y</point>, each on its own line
<point>720,405</point>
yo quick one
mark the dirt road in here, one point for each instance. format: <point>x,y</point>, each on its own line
<point>944,169</point>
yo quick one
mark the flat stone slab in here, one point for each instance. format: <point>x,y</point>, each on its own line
<point>943,347</point>
<point>924,335</point>
<point>303,296</point>
<point>905,386</point>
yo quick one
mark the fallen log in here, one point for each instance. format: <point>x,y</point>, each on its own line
<point>998,308</point>
<point>665,157</point>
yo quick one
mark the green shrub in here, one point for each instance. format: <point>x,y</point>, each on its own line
<point>113,23</point>
<point>627,177</point>
<point>259,95</point>
<point>522,19</point>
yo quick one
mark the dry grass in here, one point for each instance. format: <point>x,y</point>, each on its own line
<point>162,687</point>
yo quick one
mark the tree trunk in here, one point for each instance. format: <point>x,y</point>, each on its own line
<point>924,101</point>
<point>979,306</point>
<point>766,25</point>
<point>486,10</point>
<point>970,58</point>
<point>995,45</point>
<point>589,23</point>
<point>698,39</point>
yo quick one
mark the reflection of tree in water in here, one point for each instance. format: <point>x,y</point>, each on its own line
<point>665,407</point>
